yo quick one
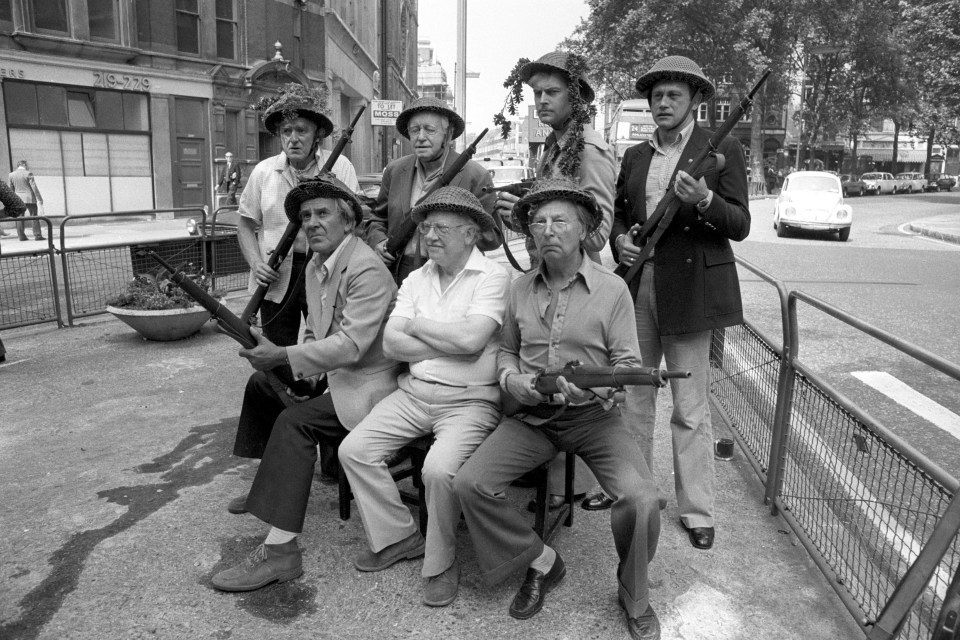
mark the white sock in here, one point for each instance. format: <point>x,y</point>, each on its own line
<point>279,536</point>
<point>545,560</point>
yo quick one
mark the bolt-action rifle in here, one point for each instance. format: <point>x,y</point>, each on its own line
<point>400,236</point>
<point>589,377</point>
<point>649,234</point>
<point>293,227</point>
<point>228,323</point>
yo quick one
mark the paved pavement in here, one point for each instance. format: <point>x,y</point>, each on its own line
<point>115,470</point>
<point>944,227</point>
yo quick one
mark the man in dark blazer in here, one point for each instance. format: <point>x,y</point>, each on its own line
<point>350,296</point>
<point>228,178</point>
<point>689,286</point>
<point>431,126</point>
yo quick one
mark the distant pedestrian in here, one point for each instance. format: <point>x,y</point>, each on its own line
<point>22,182</point>
<point>228,179</point>
<point>13,207</point>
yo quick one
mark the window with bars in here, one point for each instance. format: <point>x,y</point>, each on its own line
<point>188,26</point>
<point>226,15</point>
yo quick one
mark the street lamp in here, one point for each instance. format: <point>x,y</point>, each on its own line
<point>818,50</point>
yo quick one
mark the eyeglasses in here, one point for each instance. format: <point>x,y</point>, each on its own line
<point>427,130</point>
<point>540,226</point>
<point>442,229</point>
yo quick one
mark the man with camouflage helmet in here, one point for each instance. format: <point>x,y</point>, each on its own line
<point>570,308</point>
<point>563,98</point>
<point>446,325</point>
<point>689,286</point>
<point>431,126</point>
<point>350,295</point>
<point>298,116</point>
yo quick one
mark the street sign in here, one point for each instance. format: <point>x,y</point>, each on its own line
<point>384,112</point>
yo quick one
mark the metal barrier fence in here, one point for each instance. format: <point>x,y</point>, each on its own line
<point>223,259</point>
<point>863,502</point>
<point>29,293</point>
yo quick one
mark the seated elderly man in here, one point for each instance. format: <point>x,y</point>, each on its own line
<point>571,308</point>
<point>445,324</point>
<point>350,295</point>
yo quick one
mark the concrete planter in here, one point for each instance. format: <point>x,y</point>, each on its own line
<point>165,324</point>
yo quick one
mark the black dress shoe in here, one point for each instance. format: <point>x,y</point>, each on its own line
<point>700,537</point>
<point>645,627</point>
<point>599,502</point>
<point>536,585</point>
<point>554,502</point>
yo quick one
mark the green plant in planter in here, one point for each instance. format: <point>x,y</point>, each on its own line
<point>148,293</point>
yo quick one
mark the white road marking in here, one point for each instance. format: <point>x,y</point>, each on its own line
<point>912,399</point>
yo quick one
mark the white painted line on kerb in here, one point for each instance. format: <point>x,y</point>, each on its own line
<point>912,399</point>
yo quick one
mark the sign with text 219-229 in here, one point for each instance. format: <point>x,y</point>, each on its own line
<point>385,112</point>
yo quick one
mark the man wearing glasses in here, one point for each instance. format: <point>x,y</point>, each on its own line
<point>446,325</point>
<point>431,127</point>
<point>570,308</point>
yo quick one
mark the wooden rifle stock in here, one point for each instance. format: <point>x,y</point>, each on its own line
<point>587,377</point>
<point>399,237</point>
<point>228,323</point>
<point>668,206</point>
<point>518,189</point>
<point>293,227</point>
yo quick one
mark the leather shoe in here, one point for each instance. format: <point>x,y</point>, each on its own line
<point>40,239</point>
<point>700,537</point>
<point>441,589</point>
<point>645,627</point>
<point>238,505</point>
<point>599,502</point>
<point>536,585</point>
<point>268,563</point>
<point>410,547</point>
<point>554,502</point>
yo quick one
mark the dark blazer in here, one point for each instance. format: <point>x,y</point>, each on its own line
<point>229,181</point>
<point>393,201</point>
<point>695,276</point>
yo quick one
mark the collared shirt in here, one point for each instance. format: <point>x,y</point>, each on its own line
<point>323,272</point>
<point>421,184</point>
<point>663,162</point>
<point>262,201</point>
<point>479,289</point>
<point>593,322</point>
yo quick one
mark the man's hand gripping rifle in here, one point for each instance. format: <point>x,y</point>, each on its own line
<point>293,227</point>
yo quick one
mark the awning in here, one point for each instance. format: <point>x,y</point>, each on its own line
<point>904,155</point>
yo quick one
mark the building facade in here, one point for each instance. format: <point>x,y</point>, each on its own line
<point>123,105</point>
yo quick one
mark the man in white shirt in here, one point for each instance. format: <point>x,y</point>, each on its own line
<point>446,325</point>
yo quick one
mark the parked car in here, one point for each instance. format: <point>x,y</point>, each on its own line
<point>812,200</point>
<point>910,182</point>
<point>852,185</point>
<point>505,175</point>
<point>940,182</point>
<point>878,183</point>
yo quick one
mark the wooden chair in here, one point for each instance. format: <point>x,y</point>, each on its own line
<point>564,513</point>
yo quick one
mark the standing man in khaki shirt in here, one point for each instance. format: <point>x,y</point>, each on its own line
<point>22,182</point>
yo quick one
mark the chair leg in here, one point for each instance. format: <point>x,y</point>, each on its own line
<point>571,464</point>
<point>344,495</point>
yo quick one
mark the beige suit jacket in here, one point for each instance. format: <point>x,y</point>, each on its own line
<point>345,339</point>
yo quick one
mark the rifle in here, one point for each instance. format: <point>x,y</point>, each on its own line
<point>227,323</point>
<point>293,227</point>
<point>518,189</point>
<point>400,236</point>
<point>588,377</point>
<point>649,234</point>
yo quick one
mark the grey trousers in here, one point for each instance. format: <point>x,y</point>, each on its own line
<point>503,538</point>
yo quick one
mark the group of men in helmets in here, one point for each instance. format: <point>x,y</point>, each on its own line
<point>427,340</point>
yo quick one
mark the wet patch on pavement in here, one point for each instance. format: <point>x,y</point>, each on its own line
<point>196,460</point>
<point>280,603</point>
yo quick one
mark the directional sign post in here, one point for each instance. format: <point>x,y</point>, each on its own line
<point>384,112</point>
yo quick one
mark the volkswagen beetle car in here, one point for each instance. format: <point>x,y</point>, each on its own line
<point>812,200</point>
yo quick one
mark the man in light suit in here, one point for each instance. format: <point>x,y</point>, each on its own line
<point>350,295</point>
<point>432,127</point>
<point>228,179</point>
<point>24,185</point>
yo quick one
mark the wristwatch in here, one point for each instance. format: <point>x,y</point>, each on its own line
<point>703,204</point>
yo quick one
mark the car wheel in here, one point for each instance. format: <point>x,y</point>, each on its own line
<point>844,234</point>
<point>781,230</point>
<point>845,194</point>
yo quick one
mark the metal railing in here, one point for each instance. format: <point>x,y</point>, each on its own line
<point>29,292</point>
<point>864,503</point>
